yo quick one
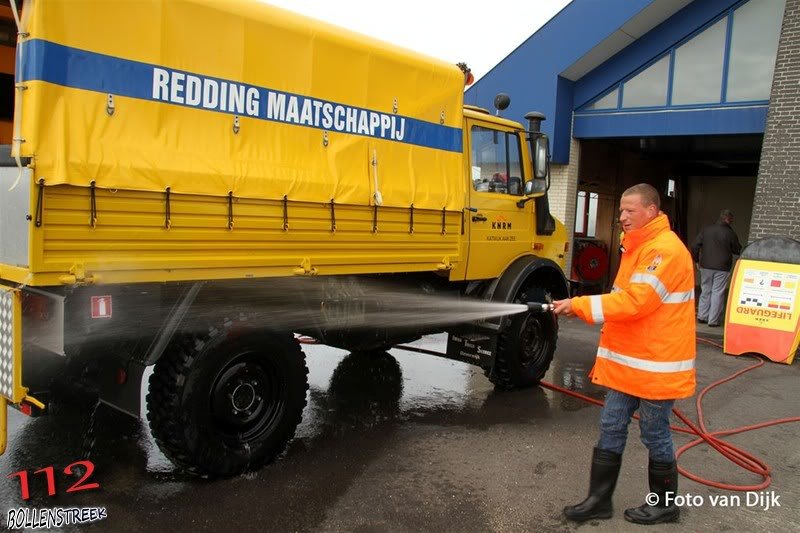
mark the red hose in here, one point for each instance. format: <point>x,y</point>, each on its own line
<point>731,452</point>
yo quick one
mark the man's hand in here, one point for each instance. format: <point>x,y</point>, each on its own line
<point>563,307</point>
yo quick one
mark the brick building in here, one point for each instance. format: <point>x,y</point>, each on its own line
<point>700,98</point>
<point>776,209</point>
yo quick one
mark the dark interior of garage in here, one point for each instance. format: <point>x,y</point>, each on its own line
<point>697,176</point>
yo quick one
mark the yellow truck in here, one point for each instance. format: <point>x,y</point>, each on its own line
<point>169,160</point>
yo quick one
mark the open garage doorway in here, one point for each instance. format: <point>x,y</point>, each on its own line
<point>697,177</point>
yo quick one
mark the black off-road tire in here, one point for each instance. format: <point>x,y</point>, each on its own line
<point>227,402</point>
<point>525,348</point>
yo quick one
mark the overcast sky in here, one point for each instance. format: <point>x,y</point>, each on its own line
<point>479,32</point>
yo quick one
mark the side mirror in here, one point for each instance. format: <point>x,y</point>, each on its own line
<point>535,187</point>
<point>541,152</point>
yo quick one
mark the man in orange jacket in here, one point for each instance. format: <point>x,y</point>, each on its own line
<point>645,356</point>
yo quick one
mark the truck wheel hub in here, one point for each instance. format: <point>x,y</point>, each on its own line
<point>243,396</point>
<point>533,340</point>
<point>244,399</point>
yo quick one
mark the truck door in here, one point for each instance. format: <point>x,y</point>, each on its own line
<point>499,231</point>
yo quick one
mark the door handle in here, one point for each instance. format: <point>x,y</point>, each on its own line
<point>478,218</point>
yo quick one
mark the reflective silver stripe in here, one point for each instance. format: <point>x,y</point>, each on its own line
<point>597,309</point>
<point>653,281</point>
<point>679,297</point>
<point>642,364</point>
<point>666,296</point>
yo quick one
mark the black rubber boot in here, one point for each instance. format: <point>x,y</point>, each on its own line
<point>663,480</point>
<point>603,480</point>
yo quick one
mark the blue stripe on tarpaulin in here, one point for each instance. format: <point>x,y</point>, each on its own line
<point>81,69</point>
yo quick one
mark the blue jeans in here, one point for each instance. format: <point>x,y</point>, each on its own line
<point>653,425</point>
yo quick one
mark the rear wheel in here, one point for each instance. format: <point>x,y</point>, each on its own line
<point>228,402</point>
<point>525,348</point>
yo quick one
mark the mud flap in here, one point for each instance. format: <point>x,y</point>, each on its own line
<point>477,345</point>
<point>11,389</point>
<point>472,348</point>
<point>11,345</point>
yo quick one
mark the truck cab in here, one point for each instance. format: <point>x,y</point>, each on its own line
<point>508,215</point>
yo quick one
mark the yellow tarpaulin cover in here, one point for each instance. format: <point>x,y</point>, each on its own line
<point>208,97</point>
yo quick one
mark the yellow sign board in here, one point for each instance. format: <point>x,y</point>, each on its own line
<point>763,313</point>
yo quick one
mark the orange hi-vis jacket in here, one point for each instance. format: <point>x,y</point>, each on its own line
<point>647,344</point>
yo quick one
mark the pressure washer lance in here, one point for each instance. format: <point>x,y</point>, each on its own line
<point>538,307</point>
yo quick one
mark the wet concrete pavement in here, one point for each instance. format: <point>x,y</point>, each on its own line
<point>409,442</point>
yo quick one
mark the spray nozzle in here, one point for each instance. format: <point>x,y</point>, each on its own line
<point>538,307</point>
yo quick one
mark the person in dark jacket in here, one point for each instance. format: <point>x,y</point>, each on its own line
<point>713,251</point>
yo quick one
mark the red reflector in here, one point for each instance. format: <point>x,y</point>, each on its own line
<point>538,246</point>
<point>122,376</point>
<point>566,247</point>
<point>25,409</point>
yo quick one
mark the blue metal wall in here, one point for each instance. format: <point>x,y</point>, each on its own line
<point>530,75</point>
